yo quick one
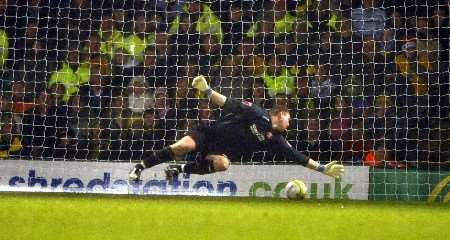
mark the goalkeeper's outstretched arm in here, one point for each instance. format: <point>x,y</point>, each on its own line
<point>280,146</point>
<point>201,85</point>
<point>332,169</point>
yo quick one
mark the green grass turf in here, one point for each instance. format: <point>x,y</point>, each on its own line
<point>79,216</point>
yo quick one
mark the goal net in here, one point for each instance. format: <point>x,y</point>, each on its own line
<point>366,82</point>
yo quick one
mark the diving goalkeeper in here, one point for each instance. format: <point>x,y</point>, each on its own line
<point>242,128</point>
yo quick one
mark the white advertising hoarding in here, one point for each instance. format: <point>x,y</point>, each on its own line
<point>238,180</point>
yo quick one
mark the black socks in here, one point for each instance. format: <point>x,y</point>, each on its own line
<point>155,158</point>
<point>201,167</point>
<point>204,166</point>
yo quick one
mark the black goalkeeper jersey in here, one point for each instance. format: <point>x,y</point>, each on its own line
<point>245,128</point>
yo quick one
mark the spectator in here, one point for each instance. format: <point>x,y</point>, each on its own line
<point>302,86</point>
<point>248,56</point>
<point>23,41</point>
<point>353,88</point>
<point>4,49</point>
<point>93,44</point>
<point>354,144</point>
<point>325,42</point>
<point>205,115</point>
<point>346,28</point>
<point>412,69</point>
<point>322,86</point>
<point>184,8</point>
<point>5,104</point>
<point>380,125</point>
<point>162,44</point>
<point>156,22</point>
<point>119,18</point>
<point>209,52</point>
<point>188,66</point>
<point>185,104</point>
<point>330,48</point>
<point>185,39</point>
<point>209,23</point>
<point>22,101</point>
<point>341,120</point>
<point>10,140</point>
<point>182,90</point>
<point>81,139</point>
<point>380,157</point>
<point>109,37</point>
<point>162,123</point>
<point>165,61</point>
<point>428,48</point>
<point>98,65</point>
<point>369,20</point>
<point>150,61</point>
<point>378,70</point>
<point>73,73</point>
<point>153,68</point>
<point>285,46</point>
<point>154,135</point>
<point>139,96</point>
<point>134,147</point>
<point>228,79</point>
<point>3,7</point>
<point>259,92</point>
<point>312,140</point>
<point>253,65</point>
<point>247,64</point>
<point>46,123</point>
<point>396,28</point>
<point>18,93</point>
<point>83,8</point>
<point>277,77</point>
<point>150,120</point>
<point>344,45</point>
<point>118,65</point>
<point>114,132</point>
<point>236,24</point>
<point>284,19</point>
<point>162,109</point>
<point>96,95</point>
<point>414,91</point>
<point>135,43</point>
<point>305,15</point>
<point>262,28</point>
<point>37,67</point>
<point>245,52</point>
<point>388,42</point>
<point>440,23</point>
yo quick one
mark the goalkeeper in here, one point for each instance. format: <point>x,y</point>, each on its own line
<point>242,128</point>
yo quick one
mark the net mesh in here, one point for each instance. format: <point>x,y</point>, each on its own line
<point>366,82</point>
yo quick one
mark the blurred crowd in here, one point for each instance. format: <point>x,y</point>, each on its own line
<point>366,81</point>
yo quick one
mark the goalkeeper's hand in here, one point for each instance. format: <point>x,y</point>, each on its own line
<point>333,169</point>
<point>200,83</point>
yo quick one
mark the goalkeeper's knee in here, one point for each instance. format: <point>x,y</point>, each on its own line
<point>211,164</point>
<point>220,162</point>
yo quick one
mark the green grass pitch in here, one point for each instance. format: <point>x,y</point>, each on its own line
<point>103,217</point>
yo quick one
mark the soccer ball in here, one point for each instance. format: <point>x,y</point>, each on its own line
<point>296,190</point>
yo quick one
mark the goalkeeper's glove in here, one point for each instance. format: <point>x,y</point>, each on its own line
<point>333,169</point>
<point>200,83</point>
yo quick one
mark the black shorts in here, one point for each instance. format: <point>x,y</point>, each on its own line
<point>205,144</point>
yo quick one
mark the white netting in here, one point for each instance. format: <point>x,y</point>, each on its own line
<point>366,82</point>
